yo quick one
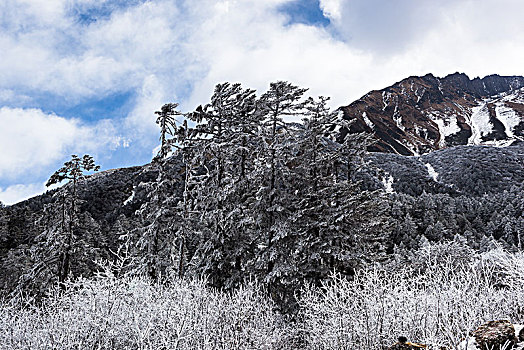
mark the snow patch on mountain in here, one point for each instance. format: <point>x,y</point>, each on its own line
<point>447,125</point>
<point>385,99</point>
<point>420,131</point>
<point>479,123</point>
<point>431,171</point>
<point>368,121</point>
<point>498,143</point>
<point>508,117</point>
<point>516,96</point>
<point>409,145</point>
<point>419,95</point>
<point>398,119</point>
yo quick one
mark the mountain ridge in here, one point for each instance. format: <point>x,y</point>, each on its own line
<point>421,114</point>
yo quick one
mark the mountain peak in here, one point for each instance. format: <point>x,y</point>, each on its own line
<point>423,113</point>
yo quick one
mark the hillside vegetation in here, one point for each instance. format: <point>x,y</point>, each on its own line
<point>444,293</point>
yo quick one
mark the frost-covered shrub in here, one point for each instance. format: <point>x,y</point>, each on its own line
<point>131,313</point>
<point>437,301</point>
<point>439,306</point>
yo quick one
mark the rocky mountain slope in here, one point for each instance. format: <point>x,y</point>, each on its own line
<point>422,114</point>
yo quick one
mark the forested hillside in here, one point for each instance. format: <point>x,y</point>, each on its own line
<point>238,193</point>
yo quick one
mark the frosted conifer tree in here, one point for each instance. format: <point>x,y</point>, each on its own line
<point>160,214</point>
<point>282,100</point>
<point>62,244</point>
<point>73,171</point>
<point>166,120</point>
<point>222,147</point>
<point>307,250</point>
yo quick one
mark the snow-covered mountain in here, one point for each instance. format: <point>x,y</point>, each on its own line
<point>422,114</point>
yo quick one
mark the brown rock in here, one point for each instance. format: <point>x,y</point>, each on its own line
<point>495,335</point>
<point>403,344</point>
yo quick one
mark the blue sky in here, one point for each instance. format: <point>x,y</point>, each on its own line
<point>85,76</point>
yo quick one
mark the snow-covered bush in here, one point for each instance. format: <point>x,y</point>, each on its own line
<point>438,306</point>
<point>132,313</point>
<point>437,298</point>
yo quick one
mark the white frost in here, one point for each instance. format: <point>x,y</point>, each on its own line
<point>468,344</point>
<point>388,183</point>
<point>131,197</point>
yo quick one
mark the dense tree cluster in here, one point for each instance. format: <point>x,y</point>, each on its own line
<point>478,220</point>
<point>258,196</point>
<point>67,238</point>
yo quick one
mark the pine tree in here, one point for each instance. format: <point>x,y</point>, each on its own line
<point>65,236</point>
<point>281,100</point>
<point>220,150</point>
<point>73,171</point>
<point>160,214</point>
<point>167,122</point>
<point>333,224</point>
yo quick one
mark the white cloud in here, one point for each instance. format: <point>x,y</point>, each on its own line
<point>30,140</point>
<point>384,42</point>
<point>197,44</point>
<point>17,193</point>
<point>9,96</point>
<point>331,8</point>
<point>61,55</point>
<point>167,50</point>
<point>252,44</point>
<point>397,27</point>
<point>140,123</point>
<point>20,192</point>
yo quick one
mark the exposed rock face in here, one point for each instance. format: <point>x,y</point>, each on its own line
<point>421,114</point>
<point>495,335</point>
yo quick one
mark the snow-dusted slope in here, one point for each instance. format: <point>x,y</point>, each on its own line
<point>422,114</point>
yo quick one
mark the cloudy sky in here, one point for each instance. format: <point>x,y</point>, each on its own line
<point>85,76</point>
